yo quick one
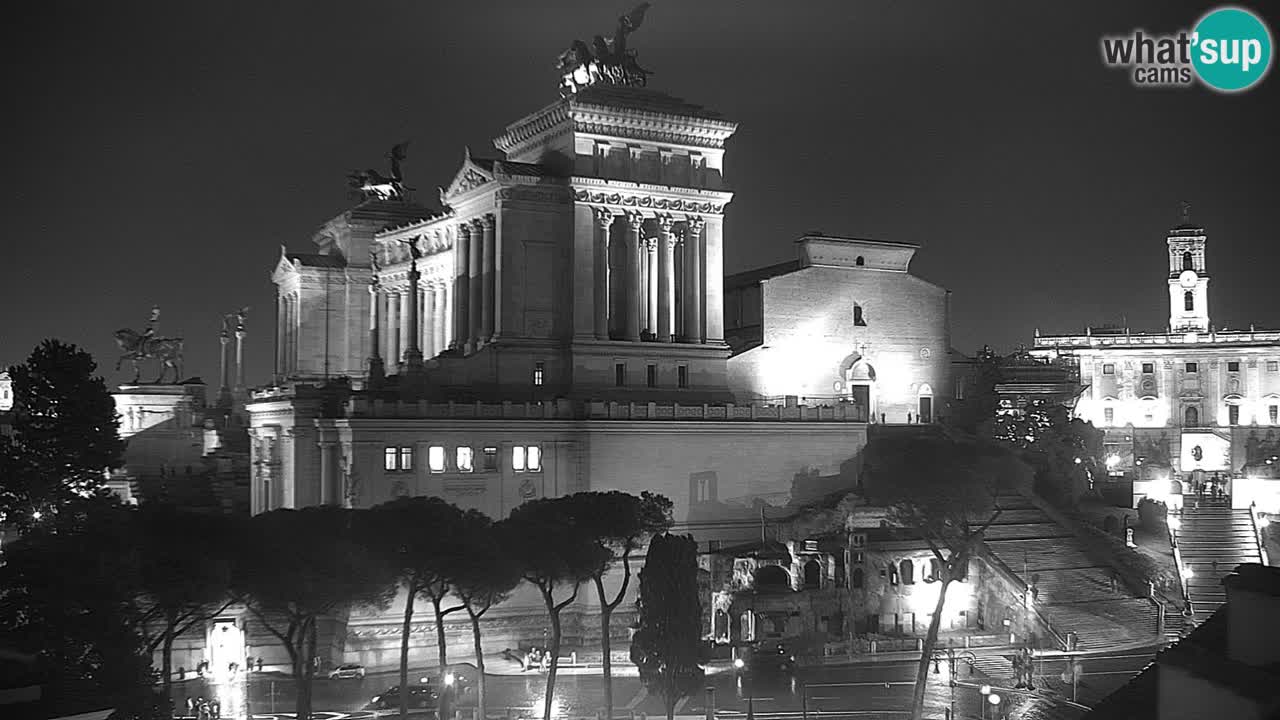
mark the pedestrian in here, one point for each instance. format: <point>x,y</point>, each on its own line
<point>259,664</point>
<point>202,709</point>
<point>191,707</point>
<point>215,708</point>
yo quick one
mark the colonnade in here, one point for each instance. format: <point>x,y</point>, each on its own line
<point>637,277</point>
<point>392,311</point>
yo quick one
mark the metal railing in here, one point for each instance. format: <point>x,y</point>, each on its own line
<point>1257,533</point>
<point>1177,561</point>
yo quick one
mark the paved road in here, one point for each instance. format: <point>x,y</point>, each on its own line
<point>881,690</point>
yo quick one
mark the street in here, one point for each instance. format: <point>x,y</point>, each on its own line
<point>878,690</point>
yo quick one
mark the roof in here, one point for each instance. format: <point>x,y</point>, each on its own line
<point>751,277</point>
<point>497,166</point>
<point>316,260</point>
<point>643,99</point>
<point>394,212</point>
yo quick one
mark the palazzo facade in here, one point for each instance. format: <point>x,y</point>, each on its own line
<point>1194,402</point>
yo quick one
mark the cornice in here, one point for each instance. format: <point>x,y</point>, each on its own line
<point>642,196</point>
<point>533,127</point>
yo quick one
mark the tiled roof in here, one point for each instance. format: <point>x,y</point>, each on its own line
<point>643,99</point>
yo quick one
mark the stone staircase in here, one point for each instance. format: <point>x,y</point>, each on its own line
<point>1075,592</point>
<point>1213,540</point>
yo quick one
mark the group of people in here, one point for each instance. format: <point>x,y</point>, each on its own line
<point>533,658</point>
<point>202,709</point>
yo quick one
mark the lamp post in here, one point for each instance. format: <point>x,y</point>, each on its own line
<point>985,691</point>
<point>950,655</point>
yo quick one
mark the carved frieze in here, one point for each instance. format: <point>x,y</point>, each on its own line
<point>532,194</point>
<point>648,202</point>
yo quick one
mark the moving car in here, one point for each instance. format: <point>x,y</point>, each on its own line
<point>765,659</point>
<point>347,672</point>
<point>420,696</point>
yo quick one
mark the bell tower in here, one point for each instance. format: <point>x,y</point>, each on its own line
<point>1188,279</point>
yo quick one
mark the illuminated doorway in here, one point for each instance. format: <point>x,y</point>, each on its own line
<point>226,648</point>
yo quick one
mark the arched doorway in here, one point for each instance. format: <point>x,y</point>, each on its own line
<point>772,577</point>
<point>720,625</point>
<point>1191,416</point>
<point>924,410</point>
<point>812,575</point>
<point>857,578</point>
<point>859,384</point>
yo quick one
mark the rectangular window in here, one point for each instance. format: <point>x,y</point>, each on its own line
<point>1272,413</point>
<point>517,458</point>
<point>534,456</point>
<point>960,388</point>
<point>537,373</point>
<point>1233,414</point>
<point>490,459</point>
<point>406,458</point>
<point>1109,416</point>
<point>389,459</point>
<point>435,458</point>
<point>1233,366</point>
<point>1192,368</point>
<point>858,540</point>
<point>464,459</point>
<point>651,375</point>
<point>1109,369</point>
<point>620,374</point>
<point>1273,366</point>
<point>1148,368</point>
<point>682,376</point>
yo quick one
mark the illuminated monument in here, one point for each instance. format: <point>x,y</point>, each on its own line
<point>1193,403</point>
<point>558,325</point>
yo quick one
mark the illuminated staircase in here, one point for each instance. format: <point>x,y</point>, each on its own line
<point>1213,540</point>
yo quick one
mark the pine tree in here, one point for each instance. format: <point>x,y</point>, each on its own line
<point>667,647</point>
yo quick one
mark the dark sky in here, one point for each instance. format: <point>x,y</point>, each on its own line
<point>160,153</point>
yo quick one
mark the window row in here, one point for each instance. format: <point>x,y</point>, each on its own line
<point>1191,367</point>
<point>650,375</point>
<point>524,458</point>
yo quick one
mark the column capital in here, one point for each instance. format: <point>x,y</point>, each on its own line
<point>635,219</point>
<point>650,243</point>
<point>694,223</point>
<point>487,221</point>
<point>604,217</point>
<point>464,229</point>
<point>666,223</point>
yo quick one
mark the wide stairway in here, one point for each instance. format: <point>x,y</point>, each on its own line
<point>1213,540</point>
<point>1073,591</point>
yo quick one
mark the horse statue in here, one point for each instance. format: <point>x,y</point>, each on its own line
<point>136,347</point>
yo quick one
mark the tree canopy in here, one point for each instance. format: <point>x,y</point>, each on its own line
<point>667,646</point>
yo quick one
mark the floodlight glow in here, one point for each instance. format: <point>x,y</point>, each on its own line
<point>1174,522</point>
<point>994,699</point>
<point>738,663</point>
<point>1187,572</point>
<point>1112,461</point>
<point>448,678</point>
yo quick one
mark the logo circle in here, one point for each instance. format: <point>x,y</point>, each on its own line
<point>1231,49</point>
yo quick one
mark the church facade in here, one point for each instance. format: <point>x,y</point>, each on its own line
<point>1191,404</point>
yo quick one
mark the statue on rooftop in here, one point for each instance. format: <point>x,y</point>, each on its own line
<point>137,346</point>
<point>373,185</point>
<point>605,60</point>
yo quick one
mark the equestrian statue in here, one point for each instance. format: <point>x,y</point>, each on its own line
<point>373,185</point>
<point>136,346</point>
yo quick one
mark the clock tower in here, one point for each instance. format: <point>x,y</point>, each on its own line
<point>1188,279</point>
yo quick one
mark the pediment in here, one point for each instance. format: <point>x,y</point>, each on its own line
<point>469,177</point>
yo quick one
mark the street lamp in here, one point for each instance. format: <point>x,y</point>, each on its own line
<point>985,690</point>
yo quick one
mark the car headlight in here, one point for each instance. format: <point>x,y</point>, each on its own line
<point>375,699</point>
<point>448,678</point>
<point>738,663</point>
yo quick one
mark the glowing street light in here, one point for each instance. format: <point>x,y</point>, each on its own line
<point>1187,572</point>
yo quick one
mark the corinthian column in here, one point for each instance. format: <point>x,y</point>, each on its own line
<point>475,304</point>
<point>693,288</point>
<point>461,287</point>
<point>666,280</point>
<point>437,319</point>
<point>651,282</point>
<point>604,220</point>
<point>489,272</point>
<point>393,327</point>
<point>635,259</point>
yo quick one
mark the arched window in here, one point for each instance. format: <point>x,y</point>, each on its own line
<point>857,316</point>
<point>812,574</point>
<point>858,578</point>
<point>1188,262</point>
<point>1188,301</point>
<point>859,262</point>
<point>907,571</point>
<point>1191,416</point>
<point>772,577</point>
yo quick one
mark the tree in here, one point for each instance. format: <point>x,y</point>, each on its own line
<point>1065,452</point>
<point>485,580</point>
<point>68,589</point>
<point>65,434</point>
<point>554,551</point>
<point>185,561</point>
<point>622,523</point>
<point>667,646</point>
<point>302,565</point>
<point>946,489</point>
<point>420,538</point>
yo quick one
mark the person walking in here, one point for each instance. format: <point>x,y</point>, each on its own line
<point>191,707</point>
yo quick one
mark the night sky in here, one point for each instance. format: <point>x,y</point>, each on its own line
<point>160,153</point>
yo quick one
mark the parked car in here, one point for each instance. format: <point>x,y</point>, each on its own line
<point>420,696</point>
<point>765,659</point>
<point>350,671</point>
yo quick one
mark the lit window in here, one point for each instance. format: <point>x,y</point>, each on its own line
<point>537,373</point>
<point>1109,416</point>
<point>517,458</point>
<point>534,454</point>
<point>857,316</point>
<point>682,376</point>
<point>435,458</point>
<point>651,375</point>
<point>620,374</point>
<point>1272,412</point>
<point>464,459</point>
<point>1109,369</point>
<point>406,458</point>
<point>490,459</point>
<point>389,459</point>
<point>1233,414</point>
<point>1192,368</point>
<point>1273,366</point>
<point>1148,368</point>
<point>1233,366</point>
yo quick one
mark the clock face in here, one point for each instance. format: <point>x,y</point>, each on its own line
<point>1187,278</point>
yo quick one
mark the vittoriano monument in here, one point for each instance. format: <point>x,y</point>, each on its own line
<point>373,185</point>
<point>604,61</point>
<point>146,345</point>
